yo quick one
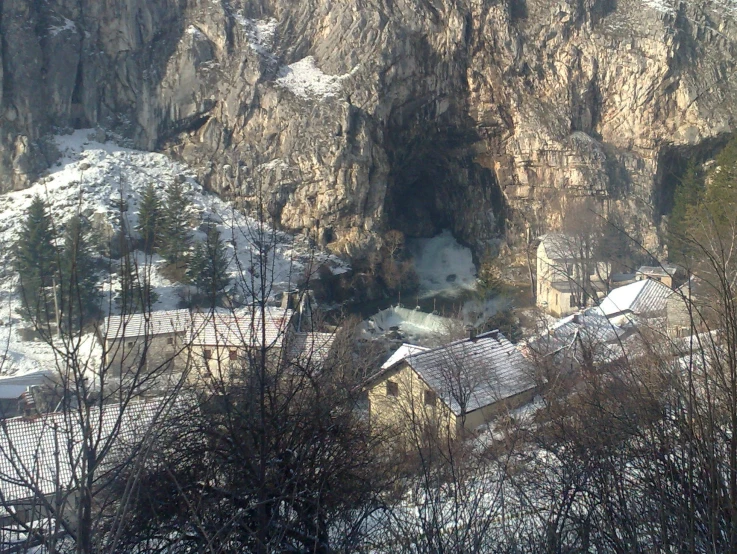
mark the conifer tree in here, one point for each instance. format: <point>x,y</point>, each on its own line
<point>79,293</point>
<point>136,293</point>
<point>175,236</point>
<point>208,269</point>
<point>36,264</point>
<point>149,219</point>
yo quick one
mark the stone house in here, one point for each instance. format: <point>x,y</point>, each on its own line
<point>156,340</point>
<point>175,341</point>
<point>456,387</point>
<point>568,277</point>
<point>664,273</point>
<point>689,309</point>
<point>224,340</point>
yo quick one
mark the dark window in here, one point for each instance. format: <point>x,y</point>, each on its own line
<point>130,344</point>
<point>170,340</point>
<point>572,301</point>
<point>430,398</point>
<point>207,354</point>
<point>392,388</point>
<point>233,354</point>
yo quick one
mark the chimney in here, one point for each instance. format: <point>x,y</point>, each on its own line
<point>472,332</point>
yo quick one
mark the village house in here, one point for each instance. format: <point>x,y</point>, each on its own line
<point>223,340</point>
<point>584,339</point>
<point>568,275</point>
<point>28,394</point>
<point>176,340</point>
<point>689,309</point>
<point>147,341</point>
<point>665,273</point>
<point>643,299</point>
<point>456,387</point>
<point>39,456</point>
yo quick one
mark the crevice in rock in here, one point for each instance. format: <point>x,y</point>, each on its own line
<point>77,116</point>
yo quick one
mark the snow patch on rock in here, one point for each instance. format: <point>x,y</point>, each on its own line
<point>305,79</point>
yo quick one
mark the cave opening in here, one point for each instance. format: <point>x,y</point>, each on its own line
<point>436,184</point>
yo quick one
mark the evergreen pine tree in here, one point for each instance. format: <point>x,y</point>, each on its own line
<point>149,219</point>
<point>36,264</point>
<point>686,198</point>
<point>136,293</point>
<point>208,269</point>
<point>80,296</point>
<point>175,236</point>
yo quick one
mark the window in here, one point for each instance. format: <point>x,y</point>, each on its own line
<point>392,388</point>
<point>572,302</point>
<point>130,344</point>
<point>170,340</point>
<point>207,354</point>
<point>430,398</point>
<point>233,354</point>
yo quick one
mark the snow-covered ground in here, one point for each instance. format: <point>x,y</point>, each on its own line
<point>445,268</point>
<point>92,178</point>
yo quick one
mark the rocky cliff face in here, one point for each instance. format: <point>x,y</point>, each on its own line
<point>353,117</point>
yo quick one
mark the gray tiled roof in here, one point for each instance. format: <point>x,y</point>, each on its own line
<point>645,297</point>
<point>311,348</point>
<point>241,327</point>
<point>566,338</point>
<point>37,455</point>
<point>147,324</point>
<point>472,373</point>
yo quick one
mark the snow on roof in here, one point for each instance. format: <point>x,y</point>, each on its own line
<point>588,329</point>
<point>241,327</point>
<point>147,324</point>
<point>640,298</point>
<point>470,374</point>
<point>35,455</point>
<point>661,270</point>
<point>403,352</point>
<point>311,348</point>
<point>13,387</point>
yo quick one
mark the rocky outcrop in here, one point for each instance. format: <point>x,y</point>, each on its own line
<point>349,118</point>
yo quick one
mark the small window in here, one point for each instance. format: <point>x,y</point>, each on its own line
<point>233,355</point>
<point>572,302</point>
<point>392,388</point>
<point>207,354</point>
<point>170,340</point>
<point>130,344</point>
<point>430,398</point>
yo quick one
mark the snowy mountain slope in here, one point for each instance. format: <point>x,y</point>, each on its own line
<point>92,178</point>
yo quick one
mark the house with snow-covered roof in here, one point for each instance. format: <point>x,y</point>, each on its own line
<point>645,298</point>
<point>223,339</point>
<point>177,340</point>
<point>41,457</point>
<point>584,339</point>
<point>451,388</point>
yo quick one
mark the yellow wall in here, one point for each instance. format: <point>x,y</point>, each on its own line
<point>407,413</point>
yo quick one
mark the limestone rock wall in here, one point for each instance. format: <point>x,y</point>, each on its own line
<point>348,118</point>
